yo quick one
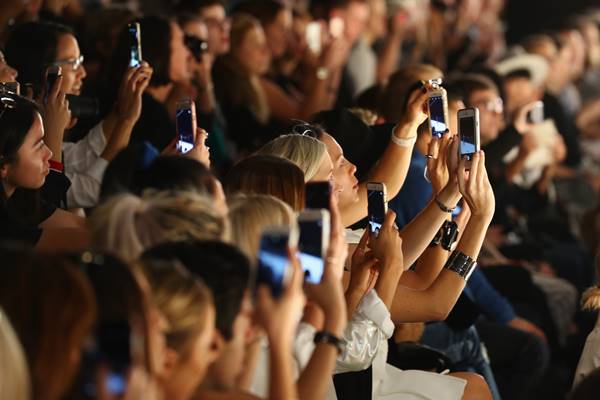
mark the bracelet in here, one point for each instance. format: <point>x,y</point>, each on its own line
<point>56,166</point>
<point>443,207</point>
<point>462,264</point>
<point>408,142</point>
<point>328,338</point>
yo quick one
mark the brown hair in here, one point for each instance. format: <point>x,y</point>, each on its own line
<point>264,174</point>
<point>52,307</point>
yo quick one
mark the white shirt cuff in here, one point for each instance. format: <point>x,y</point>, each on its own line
<point>373,308</point>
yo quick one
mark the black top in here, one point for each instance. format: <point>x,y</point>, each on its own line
<point>155,124</point>
<point>565,126</point>
<point>16,227</point>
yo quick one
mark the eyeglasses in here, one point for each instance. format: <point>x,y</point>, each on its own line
<point>74,63</point>
<point>493,105</point>
<point>304,129</point>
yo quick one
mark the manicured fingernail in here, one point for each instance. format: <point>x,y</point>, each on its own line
<point>424,89</point>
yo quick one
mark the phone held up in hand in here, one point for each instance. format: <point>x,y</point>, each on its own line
<point>185,121</point>
<point>317,195</point>
<point>135,44</point>
<point>377,205</point>
<point>315,229</point>
<point>437,106</point>
<point>536,114</point>
<point>274,268</point>
<point>468,132</point>
<point>52,74</point>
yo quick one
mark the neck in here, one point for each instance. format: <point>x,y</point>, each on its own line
<point>160,93</point>
<point>9,189</point>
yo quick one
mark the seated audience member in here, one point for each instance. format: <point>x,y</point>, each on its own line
<point>189,311</point>
<point>126,224</point>
<point>126,311</point>
<point>7,73</point>
<point>265,174</point>
<point>226,272</point>
<point>32,290</point>
<point>24,165</point>
<point>14,372</point>
<point>83,162</point>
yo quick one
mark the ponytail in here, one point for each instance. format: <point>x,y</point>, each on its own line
<point>590,300</point>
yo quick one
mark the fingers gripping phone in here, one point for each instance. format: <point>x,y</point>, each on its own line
<point>273,261</point>
<point>468,132</point>
<point>437,105</point>
<point>52,74</point>
<point>185,121</point>
<point>313,37</point>
<point>318,195</point>
<point>135,44</point>
<point>536,114</point>
<point>313,244</point>
<point>377,205</point>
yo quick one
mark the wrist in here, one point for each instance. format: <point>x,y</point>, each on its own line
<point>449,195</point>
<point>335,323</point>
<point>405,129</point>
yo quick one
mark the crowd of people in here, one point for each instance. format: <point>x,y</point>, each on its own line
<point>136,265</point>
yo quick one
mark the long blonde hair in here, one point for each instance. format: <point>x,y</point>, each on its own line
<point>14,374</point>
<point>127,224</point>
<point>250,214</point>
<point>304,151</point>
<point>590,299</point>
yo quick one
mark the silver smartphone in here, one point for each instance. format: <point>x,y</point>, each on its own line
<point>377,205</point>
<point>468,132</point>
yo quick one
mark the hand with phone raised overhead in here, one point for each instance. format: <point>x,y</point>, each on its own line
<point>55,114</point>
<point>416,110</point>
<point>363,274</point>
<point>439,167</point>
<point>475,187</point>
<point>521,121</point>
<point>387,245</point>
<point>129,101</point>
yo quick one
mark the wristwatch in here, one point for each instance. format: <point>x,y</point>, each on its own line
<point>447,236</point>
<point>326,337</point>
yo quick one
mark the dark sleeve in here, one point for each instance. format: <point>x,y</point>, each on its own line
<point>55,189</point>
<point>492,303</point>
<point>566,127</point>
<point>498,148</point>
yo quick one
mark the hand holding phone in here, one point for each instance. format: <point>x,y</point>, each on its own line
<point>315,228</point>
<point>468,132</point>
<point>135,44</point>
<point>52,74</point>
<point>313,37</point>
<point>536,114</point>
<point>185,121</point>
<point>377,206</point>
<point>273,257</point>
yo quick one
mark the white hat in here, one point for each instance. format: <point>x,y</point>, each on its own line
<point>537,66</point>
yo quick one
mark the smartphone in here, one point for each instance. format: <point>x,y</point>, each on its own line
<point>468,131</point>
<point>536,114</point>
<point>10,87</point>
<point>273,262</point>
<point>318,195</point>
<point>196,46</point>
<point>336,27</point>
<point>315,227</point>
<point>313,37</point>
<point>112,350</point>
<point>135,44</point>
<point>437,105</point>
<point>377,205</point>
<point>185,121</point>
<point>52,74</point>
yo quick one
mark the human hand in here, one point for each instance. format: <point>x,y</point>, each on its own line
<point>520,120</point>
<point>139,385</point>
<point>55,110</point>
<point>524,325</point>
<point>200,151</point>
<point>475,186</point>
<point>338,248</point>
<point>387,245</point>
<point>335,54</point>
<point>363,270</point>
<point>416,110</point>
<point>437,167</point>
<point>528,145</point>
<point>129,100</point>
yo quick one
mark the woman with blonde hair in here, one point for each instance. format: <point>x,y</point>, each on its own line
<point>127,224</point>
<point>188,307</point>
<point>14,374</point>
<point>590,356</point>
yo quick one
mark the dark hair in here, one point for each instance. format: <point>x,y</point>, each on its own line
<point>471,83</point>
<point>31,47</point>
<point>222,267</point>
<point>178,173</point>
<point>15,122</point>
<point>156,50</point>
<point>52,308</point>
<point>264,174</point>
<point>195,6</point>
<point>263,10</point>
<point>518,73</point>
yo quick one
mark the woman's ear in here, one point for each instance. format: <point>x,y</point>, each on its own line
<point>4,171</point>
<point>170,361</point>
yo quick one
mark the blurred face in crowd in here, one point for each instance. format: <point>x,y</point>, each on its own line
<point>377,24</point>
<point>68,56</point>
<point>491,113</point>
<point>191,366</point>
<point>7,73</point>
<point>355,17</point>
<point>226,369</point>
<point>345,183</point>
<point>453,107</point>
<point>253,52</point>
<point>279,32</point>
<point>218,29</point>
<point>576,42</point>
<point>519,92</point>
<point>591,35</point>
<point>179,66</point>
<point>198,30</point>
<point>31,166</point>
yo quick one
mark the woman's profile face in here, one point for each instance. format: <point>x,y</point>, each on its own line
<point>31,166</point>
<point>279,32</point>
<point>179,65</point>
<point>72,70</point>
<point>253,52</point>
<point>345,183</point>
